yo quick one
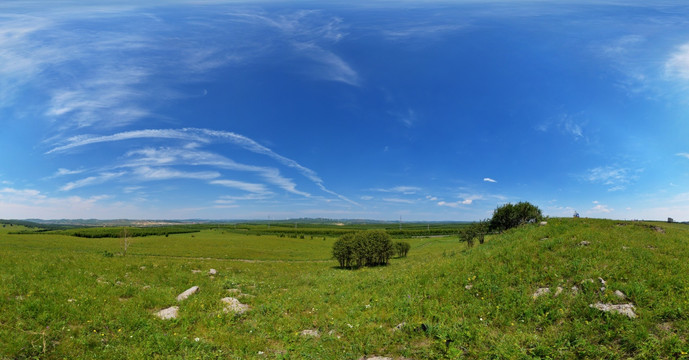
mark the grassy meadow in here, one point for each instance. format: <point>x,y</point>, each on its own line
<point>72,297</point>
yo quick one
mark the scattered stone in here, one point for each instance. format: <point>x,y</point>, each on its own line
<point>543,223</point>
<point>587,280</point>
<point>101,281</point>
<point>558,291</point>
<point>399,326</point>
<point>142,267</point>
<point>544,239</point>
<point>624,309</point>
<point>212,272</point>
<point>602,289</point>
<point>311,333</point>
<point>575,290</point>
<point>146,287</point>
<point>169,313</point>
<point>540,292</point>
<point>620,295</point>
<point>468,287</point>
<point>119,283</point>
<point>195,271</point>
<point>183,296</point>
<point>233,305</point>
<point>71,300</point>
<point>584,243</point>
<point>659,229</point>
<point>625,247</point>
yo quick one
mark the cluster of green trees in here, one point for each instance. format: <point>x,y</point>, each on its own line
<point>367,248</point>
<point>504,217</point>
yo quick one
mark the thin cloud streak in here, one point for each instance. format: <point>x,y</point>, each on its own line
<point>207,136</point>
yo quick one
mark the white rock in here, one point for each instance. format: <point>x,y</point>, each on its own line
<point>233,305</point>
<point>558,291</point>
<point>620,295</point>
<point>399,326</point>
<point>540,292</point>
<point>312,333</point>
<point>544,223</point>
<point>575,290</point>
<point>212,272</point>
<point>468,287</point>
<point>183,296</point>
<point>624,309</point>
<point>195,271</point>
<point>584,243</point>
<point>169,313</point>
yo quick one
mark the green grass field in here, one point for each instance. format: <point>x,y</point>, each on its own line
<point>63,297</point>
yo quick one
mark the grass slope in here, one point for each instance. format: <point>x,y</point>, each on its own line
<point>61,298</point>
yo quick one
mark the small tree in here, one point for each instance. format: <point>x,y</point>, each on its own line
<point>125,242</point>
<point>402,248</point>
<point>343,250</point>
<point>509,216</point>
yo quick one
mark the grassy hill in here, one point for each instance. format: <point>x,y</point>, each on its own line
<point>68,297</point>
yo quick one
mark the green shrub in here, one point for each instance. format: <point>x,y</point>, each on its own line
<point>402,248</point>
<point>509,216</point>
<point>343,250</point>
<point>364,248</point>
<point>477,230</point>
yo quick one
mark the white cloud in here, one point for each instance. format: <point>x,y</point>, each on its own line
<point>20,193</point>
<point>684,155</point>
<point>677,66</point>
<point>600,208</point>
<point>424,31</point>
<point>456,203</point>
<point>249,187</point>
<point>91,180</point>
<point>489,180</point>
<point>64,172</point>
<point>406,190</point>
<point>399,201</point>
<point>431,198</point>
<point>150,156</point>
<point>566,124</point>
<point>617,178</point>
<point>151,174</point>
<point>366,197</point>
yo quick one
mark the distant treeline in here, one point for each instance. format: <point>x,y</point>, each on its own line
<point>34,225</point>
<point>116,232</point>
<point>284,230</point>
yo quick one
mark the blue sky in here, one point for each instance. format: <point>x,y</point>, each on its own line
<point>423,110</point>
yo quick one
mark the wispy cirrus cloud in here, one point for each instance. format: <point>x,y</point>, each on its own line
<point>399,200</point>
<point>566,124</point>
<point>146,173</point>
<point>677,65</point>
<point>91,180</point>
<point>189,155</point>
<point>489,180</point>
<point>309,33</point>
<point>402,189</point>
<point>684,155</point>
<point>617,178</point>
<point>248,187</point>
